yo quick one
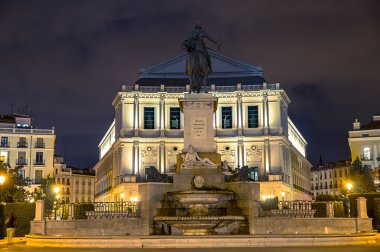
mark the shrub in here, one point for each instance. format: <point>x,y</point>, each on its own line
<point>23,212</point>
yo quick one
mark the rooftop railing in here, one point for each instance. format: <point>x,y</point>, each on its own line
<point>28,131</point>
<point>210,88</point>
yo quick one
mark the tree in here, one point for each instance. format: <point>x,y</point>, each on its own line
<point>361,177</point>
<point>45,192</point>
<point>14,187</point>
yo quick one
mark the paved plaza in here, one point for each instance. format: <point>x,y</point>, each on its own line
<point>369,248</point>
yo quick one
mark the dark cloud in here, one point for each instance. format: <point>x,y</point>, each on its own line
<point>71,57</point>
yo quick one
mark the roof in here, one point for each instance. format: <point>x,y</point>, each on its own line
<point>226,71</point>
<point>371,125</point>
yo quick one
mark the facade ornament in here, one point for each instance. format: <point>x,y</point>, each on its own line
<point>192,159</point>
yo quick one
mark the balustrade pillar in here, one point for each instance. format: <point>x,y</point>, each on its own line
<point>40,209</point>
<point>330,209</point>
<point>361,203</point>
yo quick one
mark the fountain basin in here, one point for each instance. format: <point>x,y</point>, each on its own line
<point>201,225</point>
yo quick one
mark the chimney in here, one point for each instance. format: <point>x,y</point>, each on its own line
<point>356,125</point>
<point>376,118</point>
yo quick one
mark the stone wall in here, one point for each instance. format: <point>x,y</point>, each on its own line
<point>307,226</point>
<point>151,195</point>
<point>126,226</point>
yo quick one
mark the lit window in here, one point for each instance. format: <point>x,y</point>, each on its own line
<point>148,118</point>
<point>253,117</point>
<point>4,142</point>
<point>175,118</point>
<point>226,117</point>
<point>366,153</point>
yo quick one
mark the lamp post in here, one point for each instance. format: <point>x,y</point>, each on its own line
<point>348,186</point>
<point>122,195</point>
<point>283,196</point>
<point>57,196</point>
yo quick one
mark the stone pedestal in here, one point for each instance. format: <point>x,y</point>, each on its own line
<point>362,207</point>
<point>198,110</point>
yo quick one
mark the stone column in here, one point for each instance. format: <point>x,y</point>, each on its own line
<point>71,212</point>
<point>162,115</point>
<point>361,207</point>
<point>239,115</point>
<point>162,157</point>
<point>330,209</point>
<point>136,117</point>
<point>40,209</point>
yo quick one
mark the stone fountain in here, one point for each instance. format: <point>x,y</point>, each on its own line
<point>199,203</point>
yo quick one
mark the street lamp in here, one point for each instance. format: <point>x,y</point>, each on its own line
<point>283,196</point>
<point>56,189</point>
<point>349,187</point>
<point>2,180</point>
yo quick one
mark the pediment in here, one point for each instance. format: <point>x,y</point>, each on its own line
<point>222,67</point>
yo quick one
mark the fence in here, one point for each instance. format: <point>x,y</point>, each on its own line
<point>304,209</point>
<point>95,210</point>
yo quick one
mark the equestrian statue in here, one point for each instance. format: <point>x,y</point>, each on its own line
<point>198,63</point>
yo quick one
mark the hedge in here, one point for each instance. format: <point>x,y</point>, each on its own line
<point>23,212</point>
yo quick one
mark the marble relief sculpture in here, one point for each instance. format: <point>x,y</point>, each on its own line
<point>191,158</point>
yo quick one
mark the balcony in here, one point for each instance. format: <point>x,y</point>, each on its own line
<point>39,162</point>
<point>37,181</point>
<point>28,131</point>
<point>4,145</point>
<point>21,161</point>
<point>22,145</point>
<point>39,146</point>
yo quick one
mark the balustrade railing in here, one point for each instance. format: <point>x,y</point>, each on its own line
<point>302,209</point>
<point>95,210</point>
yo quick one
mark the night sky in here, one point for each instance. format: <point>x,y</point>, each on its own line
<point>69,58</point>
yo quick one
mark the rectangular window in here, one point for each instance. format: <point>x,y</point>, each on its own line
<point>366,155</point>
<point>39,158</point>
<point>175,118</point>
<point>38,176</point>
<point>21,160</point>
<point>40,143</point>
<point>4,157</point>
<point>253,117</point>
<point>4,142</point>
<point>22,143</point>
<point>148,118</point>
<point>226,117</point>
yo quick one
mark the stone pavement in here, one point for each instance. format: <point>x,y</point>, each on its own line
<point>15,240</point>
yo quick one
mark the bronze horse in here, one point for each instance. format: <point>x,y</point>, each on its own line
<point>198,63</point>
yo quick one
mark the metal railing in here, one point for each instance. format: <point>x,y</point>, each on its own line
<point>95,210</point>
<point>39,162</point>
<point>21,161</point>
<point>4,145</point>
<point>39,145</point>
<point>367,157</point>
<point>302,209</point>
<point>22,145</point>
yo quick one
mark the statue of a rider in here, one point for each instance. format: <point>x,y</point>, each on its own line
<point>195,43</point>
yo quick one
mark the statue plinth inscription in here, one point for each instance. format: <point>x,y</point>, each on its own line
<point>198,110</point>
<point>199,128</point>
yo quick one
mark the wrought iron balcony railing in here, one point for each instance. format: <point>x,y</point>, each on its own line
<point>22,145</point>
<point>21,161</point>
<point>39,145</point>
<point>39,162</point>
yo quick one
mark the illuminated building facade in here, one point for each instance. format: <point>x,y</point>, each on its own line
<point>251,128</point>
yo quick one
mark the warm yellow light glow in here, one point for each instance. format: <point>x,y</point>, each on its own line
<point>134,198</point>
<point>283,194</point>
<point>56,189</point>
<point>58,196</point>
<point>31,200</point>
<point>122,195</point>
<point>2,179</point>
<point>349,186</point>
